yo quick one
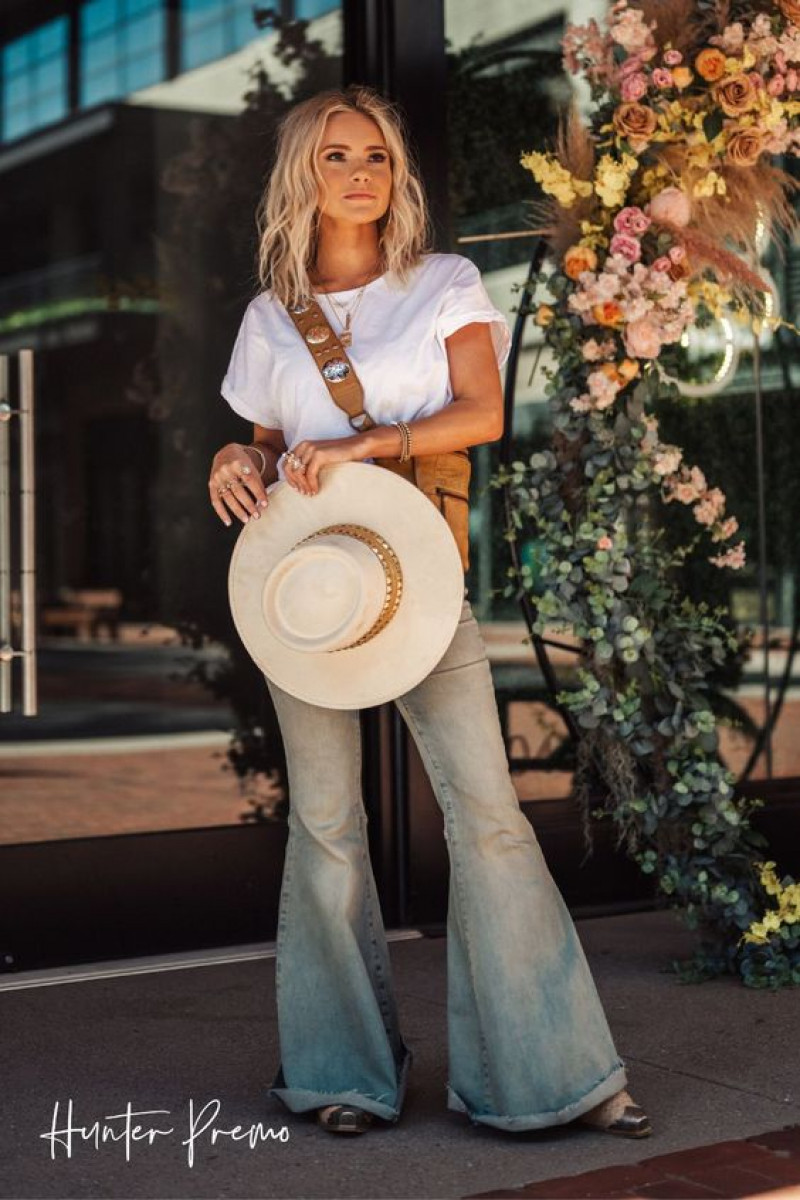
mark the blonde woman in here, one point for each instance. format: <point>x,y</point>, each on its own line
<point>343,220</point>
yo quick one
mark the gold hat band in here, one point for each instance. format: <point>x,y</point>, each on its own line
<point>392,571</point>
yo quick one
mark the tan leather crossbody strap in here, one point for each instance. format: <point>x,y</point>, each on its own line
<point>334,365</point>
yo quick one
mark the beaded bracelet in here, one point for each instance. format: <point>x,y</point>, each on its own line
<point>405,434</point>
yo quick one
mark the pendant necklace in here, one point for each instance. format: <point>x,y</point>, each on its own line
<point>346,335</point>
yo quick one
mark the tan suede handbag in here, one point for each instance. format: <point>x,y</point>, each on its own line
<point>444,478</point>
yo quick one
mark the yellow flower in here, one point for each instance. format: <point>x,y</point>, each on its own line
<point>612,178</point>
<point>544,315</point>
<point>593,235</point>
<point>651,178</point>
<point>710,293</point>
<point>682,77</point>
<point>788,912</point>
<point>712,184</point>
<point>555,179</point>
<point>774,114</point>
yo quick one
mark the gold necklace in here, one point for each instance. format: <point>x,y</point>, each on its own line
<point>346,335</point>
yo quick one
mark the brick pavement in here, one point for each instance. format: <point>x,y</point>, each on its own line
<point>766,1165</point>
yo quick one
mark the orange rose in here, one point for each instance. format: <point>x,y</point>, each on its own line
<point>636,122</point>
<point>610,371</point>
<point>710,64</point>
<point>736,95</point>
<point>544,315</point>
<point>622,374</point>
<point>681,77</point>
<point>744,147</point>
<point>578,259</point>
<point>628,369</point>
<point>607,313</point>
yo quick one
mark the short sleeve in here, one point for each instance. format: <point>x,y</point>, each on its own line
<point>466,300</point>
<point>247,382</point>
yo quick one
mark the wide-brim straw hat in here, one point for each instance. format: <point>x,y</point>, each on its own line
<point>347,598</point>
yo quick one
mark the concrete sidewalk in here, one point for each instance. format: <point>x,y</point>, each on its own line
<point>710,1062</point>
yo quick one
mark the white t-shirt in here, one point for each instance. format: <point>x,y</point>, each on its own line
<point>398,352</point>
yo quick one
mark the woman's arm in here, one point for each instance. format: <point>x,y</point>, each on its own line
<point>272,445</point>
<point>474,417</point>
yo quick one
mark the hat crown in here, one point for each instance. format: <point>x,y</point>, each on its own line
<point>327,592</point>
<point>416,553</point>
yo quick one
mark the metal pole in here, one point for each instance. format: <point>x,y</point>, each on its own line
<point>763,598</point>
<point>6,656</point>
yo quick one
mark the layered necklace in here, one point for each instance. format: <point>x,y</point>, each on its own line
<point>345,313</point>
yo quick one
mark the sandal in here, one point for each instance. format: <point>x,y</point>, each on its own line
<point>344,1118</point>
<point>619,1115</point>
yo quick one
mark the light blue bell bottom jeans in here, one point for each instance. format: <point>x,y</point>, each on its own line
<point>528,1041</point>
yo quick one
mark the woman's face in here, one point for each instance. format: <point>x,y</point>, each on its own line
<point>355,166</point>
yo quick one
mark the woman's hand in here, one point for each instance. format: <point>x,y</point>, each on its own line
<point>235,481</point>
<point>302,464</point>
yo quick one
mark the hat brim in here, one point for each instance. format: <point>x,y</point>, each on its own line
<point>415,639</point>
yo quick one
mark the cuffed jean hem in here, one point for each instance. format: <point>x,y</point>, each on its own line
<point>300,1100</point>
<point>607,1087</point>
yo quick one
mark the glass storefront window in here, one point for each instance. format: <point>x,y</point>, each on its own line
<point>129,280</point>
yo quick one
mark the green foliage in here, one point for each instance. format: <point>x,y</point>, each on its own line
<point>609,570</point>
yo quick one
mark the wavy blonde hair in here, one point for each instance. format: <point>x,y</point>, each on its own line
<point>287,215</point>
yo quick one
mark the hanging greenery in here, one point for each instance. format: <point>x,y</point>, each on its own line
<point>652,213</point>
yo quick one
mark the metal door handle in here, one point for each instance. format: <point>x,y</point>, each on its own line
<point>27,549</point>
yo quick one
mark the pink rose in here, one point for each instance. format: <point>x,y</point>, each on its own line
<point>631,220</point>
<point>642,338</point>
<point>677,253</point>
<point>672,205</point>
<point>604,542</point>
<point>791,80</point>
<point>634,86</point>
<point>663,263</point>
<point>673,58</point>
<point>662,78</point>
<point>627,246</point>
<point>776,85</point>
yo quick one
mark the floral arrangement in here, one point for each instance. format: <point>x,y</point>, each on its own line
<point>652,213</point>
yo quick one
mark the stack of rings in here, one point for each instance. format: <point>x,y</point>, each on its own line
<point>228,486</point>
<point>296,463</point>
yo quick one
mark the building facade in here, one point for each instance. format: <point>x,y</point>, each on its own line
<point>135,140</point>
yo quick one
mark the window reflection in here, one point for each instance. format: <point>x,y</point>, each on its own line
<point>34,79</point>
<point>129,280</point>
<point>211,28</point>
<point>122,47</point>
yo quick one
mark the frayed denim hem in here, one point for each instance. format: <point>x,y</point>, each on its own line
<point>607,1087</point>
<point>303,1099</point>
